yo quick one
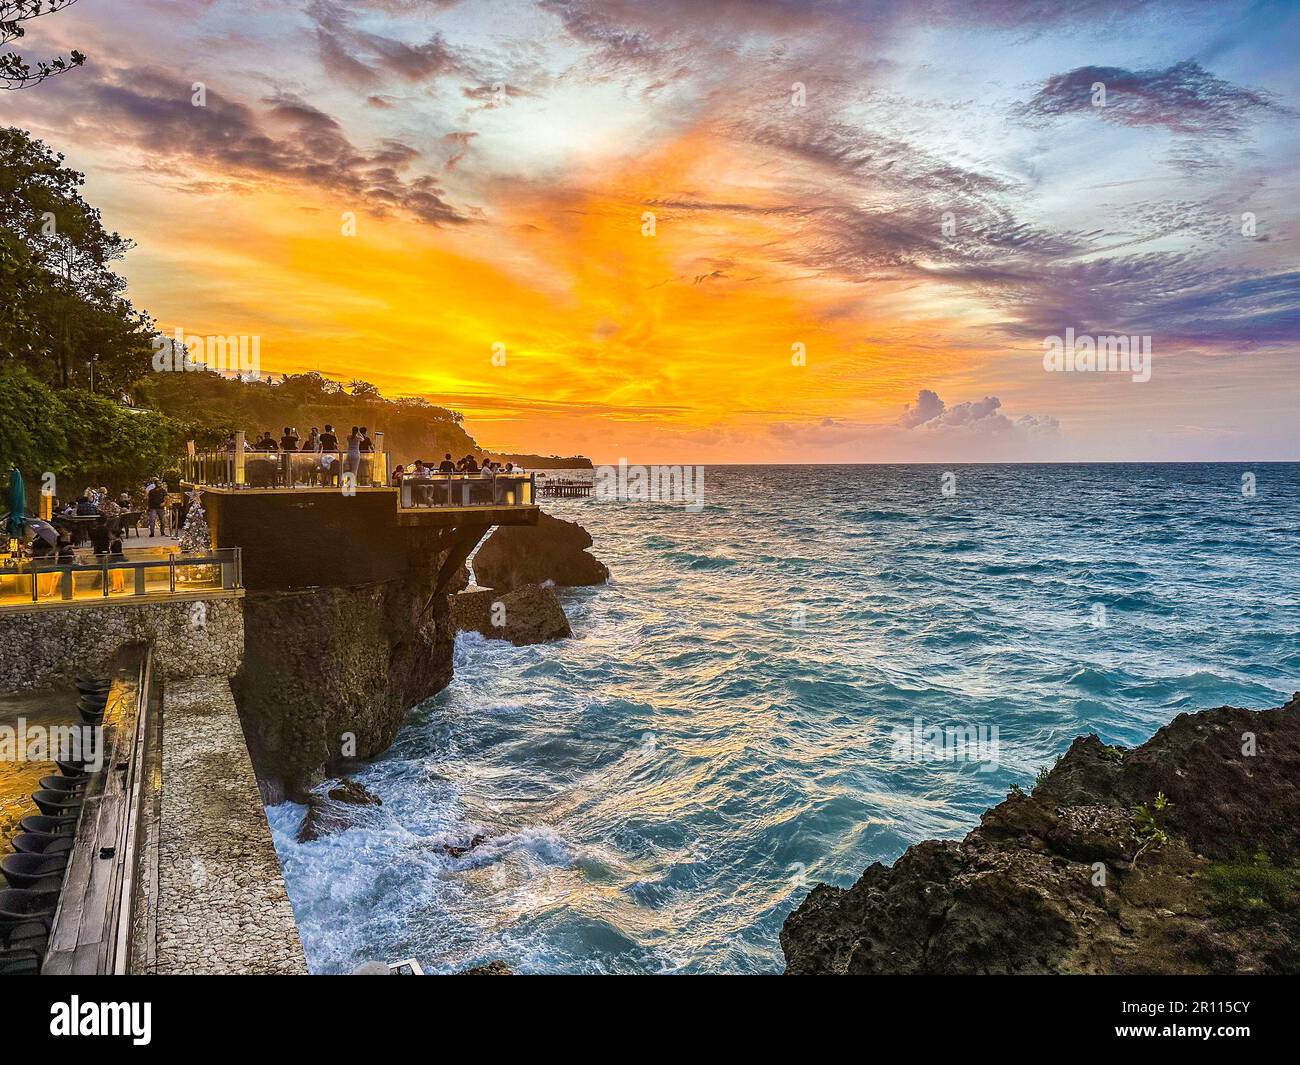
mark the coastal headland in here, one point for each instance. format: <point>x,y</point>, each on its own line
<point>1177,856</point>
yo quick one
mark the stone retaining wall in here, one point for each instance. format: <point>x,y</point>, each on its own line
<point>203,634</point>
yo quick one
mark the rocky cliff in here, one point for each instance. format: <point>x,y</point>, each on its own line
<point>330,672</point>
<point>1178,856</point>
<point>552,550</point>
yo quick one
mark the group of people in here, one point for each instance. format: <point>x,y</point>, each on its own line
<point>325,444</point>
<point>469,464</point>
<point>105,532</point>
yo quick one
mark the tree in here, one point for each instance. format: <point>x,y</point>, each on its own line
<point>15,72</point>
<point>63,303</point>
<point>195,534</point>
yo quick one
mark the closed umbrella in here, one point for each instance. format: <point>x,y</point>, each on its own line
<point>17,504</point>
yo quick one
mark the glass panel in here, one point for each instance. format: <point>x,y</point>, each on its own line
<point>15,587</point>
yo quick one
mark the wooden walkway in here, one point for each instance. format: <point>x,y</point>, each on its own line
<point>92,924</point>
<point>565,488</point>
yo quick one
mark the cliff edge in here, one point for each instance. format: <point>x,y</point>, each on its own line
<point>1181,855</point>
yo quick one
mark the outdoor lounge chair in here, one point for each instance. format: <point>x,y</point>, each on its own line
<point>55,803</point>
<point>42,843</point>
<point>28,870</point>
<point>54,826</point>
<point>68,784</point>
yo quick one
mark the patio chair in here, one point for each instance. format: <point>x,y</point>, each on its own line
<point>28,870</point>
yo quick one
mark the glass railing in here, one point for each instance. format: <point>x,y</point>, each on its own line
<point>285,469</point>
<point>468,490</point>
<point>100,577</point>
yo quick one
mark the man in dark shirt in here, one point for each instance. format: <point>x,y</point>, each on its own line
<point>446,465</point>
<point>289,442</point>
<point>157,500</point>
<point>329,442</point>
<point>266,443</point>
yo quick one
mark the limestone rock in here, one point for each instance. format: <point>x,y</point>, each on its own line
<point>1066,880</point>
<point>528,614</point>
<point>349,791</point>
<point>492,968</point>
<point>552,550</point>
<point>329,673</point>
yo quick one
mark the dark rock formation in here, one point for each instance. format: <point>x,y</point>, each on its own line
<point>492,968</point>
<point>329,673</point>
<point>329,813</point>
<point>552,550</point>
<point>349,791</point>
<point>530,614</point>
<point>1092,873</point>
<point>454,850</point>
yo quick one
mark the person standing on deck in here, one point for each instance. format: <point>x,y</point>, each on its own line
<point>156,500</point>
<point>329,445</point>
<point>354,455</point>
<point>367,449</point>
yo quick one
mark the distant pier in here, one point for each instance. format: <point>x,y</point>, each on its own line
<point>565,487</point>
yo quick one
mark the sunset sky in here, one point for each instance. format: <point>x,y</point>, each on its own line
<point>500,158</point>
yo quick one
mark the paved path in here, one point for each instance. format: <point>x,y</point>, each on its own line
<point>222,904</point>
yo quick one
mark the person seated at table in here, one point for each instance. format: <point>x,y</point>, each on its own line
<point>421,490</point>
<point>85,508</point>
<point>468,465</point>
<point>266,442</point>
<point>289,442</point>
<point>108,508</point>
<point>124,500</point>
<point>100,537</point>
<point>446,465</point>
<point>398,474</point>
<point>510,467</point>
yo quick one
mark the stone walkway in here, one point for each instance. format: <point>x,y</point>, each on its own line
<point>222,906</point>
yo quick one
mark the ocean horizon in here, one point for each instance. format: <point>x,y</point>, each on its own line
<point>742,712</point>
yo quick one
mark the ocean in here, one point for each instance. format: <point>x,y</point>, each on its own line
<point>742,711</point>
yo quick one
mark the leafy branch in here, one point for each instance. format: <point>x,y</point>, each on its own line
<point>16,72</point>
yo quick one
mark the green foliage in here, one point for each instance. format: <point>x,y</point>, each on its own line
<point>1149,824</point>
<point>80,438</point>
<point>1113,753</point>
<point>1253,890</point>
<point>64,305</point>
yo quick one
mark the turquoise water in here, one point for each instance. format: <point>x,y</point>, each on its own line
<point>661,790</point>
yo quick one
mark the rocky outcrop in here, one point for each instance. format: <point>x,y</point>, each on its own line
<point>329,673</point>
<point>329,813</point>
<point>492,968</point>
<point>530,614</point>
<point>552,550</point>
<point>1178,856</point>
